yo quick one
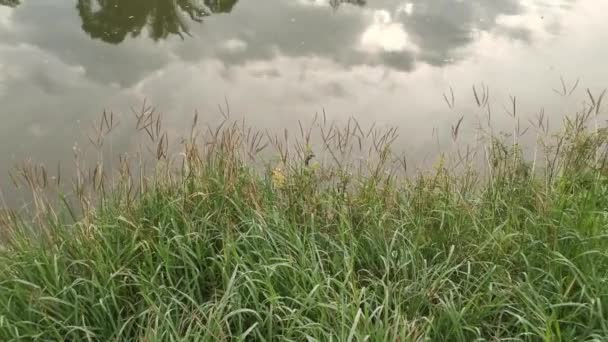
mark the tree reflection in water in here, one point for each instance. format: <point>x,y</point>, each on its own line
<point>113,20</point>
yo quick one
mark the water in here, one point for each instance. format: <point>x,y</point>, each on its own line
<point>278,61</point>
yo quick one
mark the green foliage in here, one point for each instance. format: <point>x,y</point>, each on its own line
<point>224,253</point>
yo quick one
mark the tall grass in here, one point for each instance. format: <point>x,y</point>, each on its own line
<point>316,247</point>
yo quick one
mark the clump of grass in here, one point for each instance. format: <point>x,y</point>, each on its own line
<point>317,248</point>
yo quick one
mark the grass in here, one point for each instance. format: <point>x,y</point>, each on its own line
<point>217,249</point>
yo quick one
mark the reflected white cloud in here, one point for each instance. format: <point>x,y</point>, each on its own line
<point>537,21</point>
<point>234,45</point>
<point>407,8</point>
<point>320,3</point>
<point>385,35</point>
<point>389,63</point>
<point>55,28</point>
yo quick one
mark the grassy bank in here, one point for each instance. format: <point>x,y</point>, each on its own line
<point>218,250</point>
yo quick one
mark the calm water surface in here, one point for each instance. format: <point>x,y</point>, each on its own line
<point>278,61</point>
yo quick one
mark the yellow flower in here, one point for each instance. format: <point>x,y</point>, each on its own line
<point>440,164</point>
<point>278,178</point>
<point>315,166</point>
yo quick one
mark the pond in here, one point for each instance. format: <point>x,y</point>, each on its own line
<point>279,61</point>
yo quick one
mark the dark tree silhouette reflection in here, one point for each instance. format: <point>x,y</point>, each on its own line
<point>10,3</point>
<point>113,20</point>
<point>337,3</point>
